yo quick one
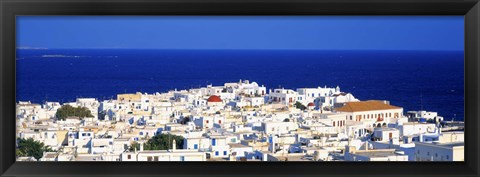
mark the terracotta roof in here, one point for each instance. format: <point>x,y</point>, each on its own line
<point>214,98</point>
<point>370,105</point>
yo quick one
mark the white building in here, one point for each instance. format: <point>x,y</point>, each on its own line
<point>219,146</point>
<point>424,116</point>
<point>351,154</point>
<point>413,128</point>
<point>164,155</point>
<point>439,151</point>
<point>278,127</point>
<point>283,96</point>
<point>373,113</point>
<point>389,135</point>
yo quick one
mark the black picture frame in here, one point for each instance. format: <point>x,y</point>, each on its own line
<point>12,8</point>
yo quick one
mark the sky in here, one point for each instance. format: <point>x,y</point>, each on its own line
<point>242,32</point>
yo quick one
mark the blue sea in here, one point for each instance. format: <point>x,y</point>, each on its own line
<point>433,80</point>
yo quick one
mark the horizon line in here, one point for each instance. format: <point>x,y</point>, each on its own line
<point>44,48</point>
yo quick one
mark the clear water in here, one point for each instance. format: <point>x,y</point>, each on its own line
<point>433,80</point>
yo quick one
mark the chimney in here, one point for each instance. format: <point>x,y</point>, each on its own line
<point>174,145</point>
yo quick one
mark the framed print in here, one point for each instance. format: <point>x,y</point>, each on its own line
<point>262,88</point>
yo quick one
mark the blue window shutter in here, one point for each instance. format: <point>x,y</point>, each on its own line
<point>214,142</point>
<point>216,153</point>
<point>224,152</point>
<point>195,146</point>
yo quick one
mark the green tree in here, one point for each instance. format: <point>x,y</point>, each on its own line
<point>300,106</point>
<point>163,142</point>
<point>67,111</point>
<point>159,142</point>
<point>30,147</point>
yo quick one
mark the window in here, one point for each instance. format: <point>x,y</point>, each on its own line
<point>129,156</point>
<point>155,158</point>
<point>216,153</point>
<point>206,121</point>
<point>224,152</point>
<point>195,146</point>
<point>214,142</point>
<point>141,133</point>
<point>149,158</point>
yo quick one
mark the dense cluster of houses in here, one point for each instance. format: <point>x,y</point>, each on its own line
<point>241,121</point>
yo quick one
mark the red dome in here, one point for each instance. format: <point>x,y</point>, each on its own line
<point>311,104</point>
<point>214,98</point>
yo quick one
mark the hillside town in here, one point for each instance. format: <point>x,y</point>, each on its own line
<point>239,121</point>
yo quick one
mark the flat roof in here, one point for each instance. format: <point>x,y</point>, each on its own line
<point>168,151</point>
<point>385,129</point>
<point>449,145</point>
<point>235,145</point>
<point>377,153</point>
<point>417,123</point>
